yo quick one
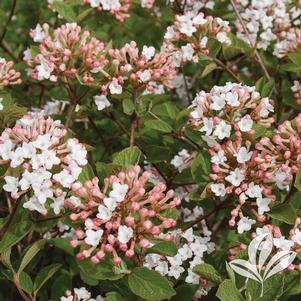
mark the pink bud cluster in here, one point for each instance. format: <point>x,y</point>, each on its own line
<point>8,76</point>
<point>289,41</point>
<point>67,52</point>
<point>279,157</point>
<point>190,34</point>
<point>41,161</point>
<point>122,216</point>
<point>144,71</point>
<point>228,109</point>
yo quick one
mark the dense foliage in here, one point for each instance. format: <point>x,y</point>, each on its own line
<point>147,147</point>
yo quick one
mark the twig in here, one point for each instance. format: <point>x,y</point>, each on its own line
<point>259,59</point>
<point>225,67</point>
<point>12,11</point>
<point>204,216</point>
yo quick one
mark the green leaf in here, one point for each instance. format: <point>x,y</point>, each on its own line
<point>25,282</point>
<point>30,254</point>
<point>158,125</point>
<point>150,285</point>
<point>44,275</point>
<point>63,244</point>
<point>113,296</point>
<point>86,174</point>
<point>295,58</point>
<point>200,168</point>
<point>128,156</point>
<point>227,291</point>
<point>65,10</point>
<point>298,180</point>
<point>185,292</point>
<point>284,213</point>
<point>18,228</point>
<point>5,259</point>
<point>208,272</point>
<point>60,285</point>
<point>208,69</point>
<point>165,248</point>
<point>128,106</point>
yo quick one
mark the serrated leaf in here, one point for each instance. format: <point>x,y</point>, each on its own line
<point>65,10</point>
<point>128,156</point>
<point>165,248</point>
<point>208,272</point>
<point>227,291</point>
<point>284,213</point>
<point>128,106</point>
<point>113,296</point>
<point>158,125</point>
<point>150,285</point>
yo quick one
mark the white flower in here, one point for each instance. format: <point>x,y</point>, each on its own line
<point>218,103</point>
<point>33,204</point>
<point>17,158</point>
<point>185,252</point>
<point>11,184</point>
<point>192,277</point>
<point>58,203</point>
<point>110,203</point>
<point>219,157</point>
<point>235,177</point>
<point>245,124</point>
<point>93,237</point>
<point>125,234</point>
<point>39,34</point>
<point>187,52</point>
<point>222,130</point>
<point>1,104</point>
<point>243,155</point>
<point>297,237</point>
<point>115,88</point>
<point>5,149</point>
<point>162,268</point>
<point>148,52</point>
<point>104,213</point>
<point>283,244</point>
<point>170,33</point>
<point>207,126</point>
<point>145,76</point>
<point>254,191</point>
<point>218,189</point>
<point>94,3</point>
<point>82,294</point>
<point>75,201</point>
<point>244,224</point>
<point>43,142</point>
<point>263,205</point>
<point>27,55</point>
<point>232,99</point>
<point>176,271</point>
<point>186,26</point>
<point>44,70</point>
<point>119,191</point>
<point>101,102</point>
<point>222,37</point>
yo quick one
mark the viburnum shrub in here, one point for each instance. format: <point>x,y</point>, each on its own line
<point>150,150</point>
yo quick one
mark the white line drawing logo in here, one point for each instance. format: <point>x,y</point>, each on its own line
<point>259,250</point>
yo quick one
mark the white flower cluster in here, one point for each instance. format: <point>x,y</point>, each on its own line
<point>80,294</point>
<point>264,20</point>
<point>227,108</point>
<point>191,251</point>
<point>193,31</point>
<point>41,160</point>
